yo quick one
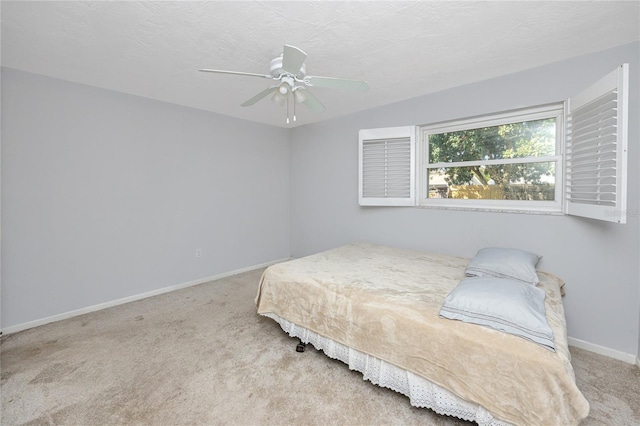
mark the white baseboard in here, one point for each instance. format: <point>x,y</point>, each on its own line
<point>81,311</point>
<point>602,350</point>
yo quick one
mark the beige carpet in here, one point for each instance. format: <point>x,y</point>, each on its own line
<point>202,356</point>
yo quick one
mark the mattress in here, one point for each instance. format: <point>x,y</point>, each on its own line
<point>384,302</point>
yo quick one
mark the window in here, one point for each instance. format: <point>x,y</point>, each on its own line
<point>508,161</point>
<point>567,157</point>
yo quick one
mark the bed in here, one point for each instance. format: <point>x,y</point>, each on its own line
<point>376,308</point>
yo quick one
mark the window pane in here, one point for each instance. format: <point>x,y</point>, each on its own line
<point>528,182</point>
<point>516,140</point>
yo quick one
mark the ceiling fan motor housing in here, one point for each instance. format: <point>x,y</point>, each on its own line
<point>276,69</point>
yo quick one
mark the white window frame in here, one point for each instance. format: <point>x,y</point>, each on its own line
<point>555,111</point>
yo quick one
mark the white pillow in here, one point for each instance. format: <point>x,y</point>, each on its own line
<point>504,263</point>
<point>502,304</point>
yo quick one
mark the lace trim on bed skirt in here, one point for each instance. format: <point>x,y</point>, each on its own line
<point>421,392</point>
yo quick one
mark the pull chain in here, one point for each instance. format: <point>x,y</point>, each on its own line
<point>287,109</point>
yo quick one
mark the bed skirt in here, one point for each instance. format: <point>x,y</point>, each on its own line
<point>421,392</point>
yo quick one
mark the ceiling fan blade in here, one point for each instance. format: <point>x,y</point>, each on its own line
<point>250,74</point>
<point>260,95</point>
<point>336,83</point>
<point>312,102</point>
<point>292,59</point>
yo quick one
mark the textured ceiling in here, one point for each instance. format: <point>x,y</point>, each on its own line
<point>402,49</point>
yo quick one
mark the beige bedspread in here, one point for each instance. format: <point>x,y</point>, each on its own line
<point>385,301</point>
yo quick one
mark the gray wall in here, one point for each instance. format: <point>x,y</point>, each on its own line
<point>106,195</point>
<point>597,260</point>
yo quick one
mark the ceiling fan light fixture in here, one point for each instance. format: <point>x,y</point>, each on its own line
<point>278,98</point>
<point>299,96</point>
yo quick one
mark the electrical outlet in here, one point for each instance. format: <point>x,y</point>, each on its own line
<point>198,252</point>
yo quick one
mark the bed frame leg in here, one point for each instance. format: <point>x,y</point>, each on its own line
<point>300,347</point>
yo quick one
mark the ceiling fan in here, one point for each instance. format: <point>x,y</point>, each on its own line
<point>288,72</point>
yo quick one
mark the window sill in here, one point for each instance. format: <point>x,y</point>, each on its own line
<point>549,212</point>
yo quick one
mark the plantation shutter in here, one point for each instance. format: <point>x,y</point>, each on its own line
<point>596,149</point>
<point>387,166</point>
